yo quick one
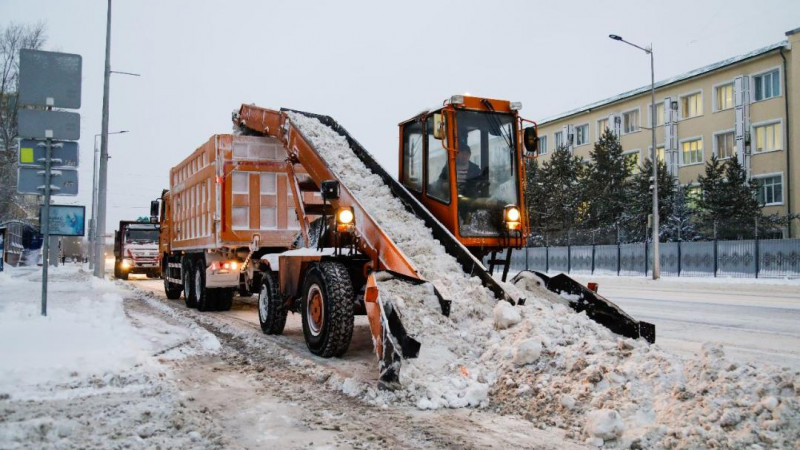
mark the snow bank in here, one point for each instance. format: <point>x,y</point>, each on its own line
<point>549,364</point>
<point>86,332</point>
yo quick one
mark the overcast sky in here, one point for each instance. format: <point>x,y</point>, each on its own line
<point>368,64</point>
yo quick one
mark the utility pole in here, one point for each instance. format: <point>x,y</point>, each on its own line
<point>99,244</point>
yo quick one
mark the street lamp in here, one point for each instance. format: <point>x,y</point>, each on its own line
<point>649,51</point>
<point>93,220</point>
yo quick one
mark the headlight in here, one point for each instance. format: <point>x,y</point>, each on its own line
<point>345,219</point>
<point>457,100</point>
<point>512,217</point>
<point>127,263</point>
<point>515,106</point>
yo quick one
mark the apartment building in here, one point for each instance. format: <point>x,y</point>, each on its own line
<point>745,106</point>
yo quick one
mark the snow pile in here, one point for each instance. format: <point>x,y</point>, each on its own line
<point>549,364</point>
<point>85,333</point>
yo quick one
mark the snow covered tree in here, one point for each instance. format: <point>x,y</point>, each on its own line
<point>680,224</point>
<point>13,38</point>
<point>640,200</point>
<point>607,179</point>
<point>557,193</point>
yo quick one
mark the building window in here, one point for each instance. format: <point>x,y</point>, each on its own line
<point>692,151</point>
<point>241,183</point>
<point>692,105</point>
<point>767,85</point>
<point>660,153</point>
<point>724,96</point>
<point>602,126</point>
<point>770,190</point>
<point>630,121</point>
<point>724,145</point>
<point>582,134</point>
<point>767,137</point>
<point>659,115</point>
<point>559,138</point>
<point>542,145</point>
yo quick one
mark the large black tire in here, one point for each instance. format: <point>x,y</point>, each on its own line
<point>225,299</point>
<point>119,273</point>
<point>204,297</point>
<point>188,283</point>
<point>271,310</point>
<point>327,309</point>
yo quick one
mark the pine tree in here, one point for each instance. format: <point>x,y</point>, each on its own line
<point>711,203</point>
<point>608,177</point>
<point>640,203</point>
<point>680,225</point>
<point>557,193</point>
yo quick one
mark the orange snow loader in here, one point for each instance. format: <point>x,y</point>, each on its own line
<point>461,173</point>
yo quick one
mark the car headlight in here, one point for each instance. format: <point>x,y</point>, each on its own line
<point>512,217</point>
<point>127,263</point>
<point>345,219</point>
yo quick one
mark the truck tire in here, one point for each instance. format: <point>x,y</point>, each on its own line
<point>327,309</point>
<point>223,299</point>
<point>203,296</point>
<point>187,271</point>
<point>271,310</point>
<point>172,290</point>
<point>118,272</point>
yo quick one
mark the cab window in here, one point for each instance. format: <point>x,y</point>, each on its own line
<point>412,156</point>
<point>438,186</point>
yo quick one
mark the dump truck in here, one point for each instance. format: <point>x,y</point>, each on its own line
<point>228,203</point>
<point>461,173</point>
<point>136,249</point>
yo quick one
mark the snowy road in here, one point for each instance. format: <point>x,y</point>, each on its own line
<point>756,321</point>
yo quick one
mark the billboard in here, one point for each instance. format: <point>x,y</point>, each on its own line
<point>66,220</point>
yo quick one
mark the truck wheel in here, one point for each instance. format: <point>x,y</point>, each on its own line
<point>188,284</point>
<point>327,309</point>
<point>203,298</point>
<point>271,311</point>
<point>223,299</point>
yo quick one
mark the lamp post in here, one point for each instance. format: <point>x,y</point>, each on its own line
<point>93,220</point>
<point>649,51</point>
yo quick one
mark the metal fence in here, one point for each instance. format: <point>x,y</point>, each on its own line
<point>767,258</point>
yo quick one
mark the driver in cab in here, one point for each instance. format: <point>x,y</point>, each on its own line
<point>467,172</point>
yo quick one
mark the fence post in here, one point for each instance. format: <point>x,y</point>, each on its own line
<point>569,258</point>
<point>758,256</point>
<point>546,259</point>
<point>716,263</point>
<point>645,259</point>
<point>679,258</point>
<point>619,258</point>
<point>593,259</point>
<point>526,258</point>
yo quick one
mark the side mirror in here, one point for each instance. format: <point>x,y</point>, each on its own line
<point>438,126</point>
<point>531,140</point>
<point>154,211</point>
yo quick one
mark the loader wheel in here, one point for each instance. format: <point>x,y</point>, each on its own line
<point>327,309</point>
<point>202,295</point>
<point>188,284</point>
<point>271,311</point>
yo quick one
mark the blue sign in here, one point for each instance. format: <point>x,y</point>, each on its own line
<point>67,220</point>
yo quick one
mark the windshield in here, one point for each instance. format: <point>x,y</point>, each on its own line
<point>486,171</point>
<point>133,236</point>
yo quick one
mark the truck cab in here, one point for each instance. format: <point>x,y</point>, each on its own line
<point>136,249</point>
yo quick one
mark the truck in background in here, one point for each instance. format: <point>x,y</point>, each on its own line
<point>136,249</point>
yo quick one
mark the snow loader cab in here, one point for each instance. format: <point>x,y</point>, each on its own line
<point>463,162</point>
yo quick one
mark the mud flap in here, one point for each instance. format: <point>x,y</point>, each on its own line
<point>598,308</point>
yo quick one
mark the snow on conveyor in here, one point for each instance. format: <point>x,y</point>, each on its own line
<point>550,365</point>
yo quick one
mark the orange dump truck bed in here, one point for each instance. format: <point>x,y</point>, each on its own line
<point>227,190</point>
